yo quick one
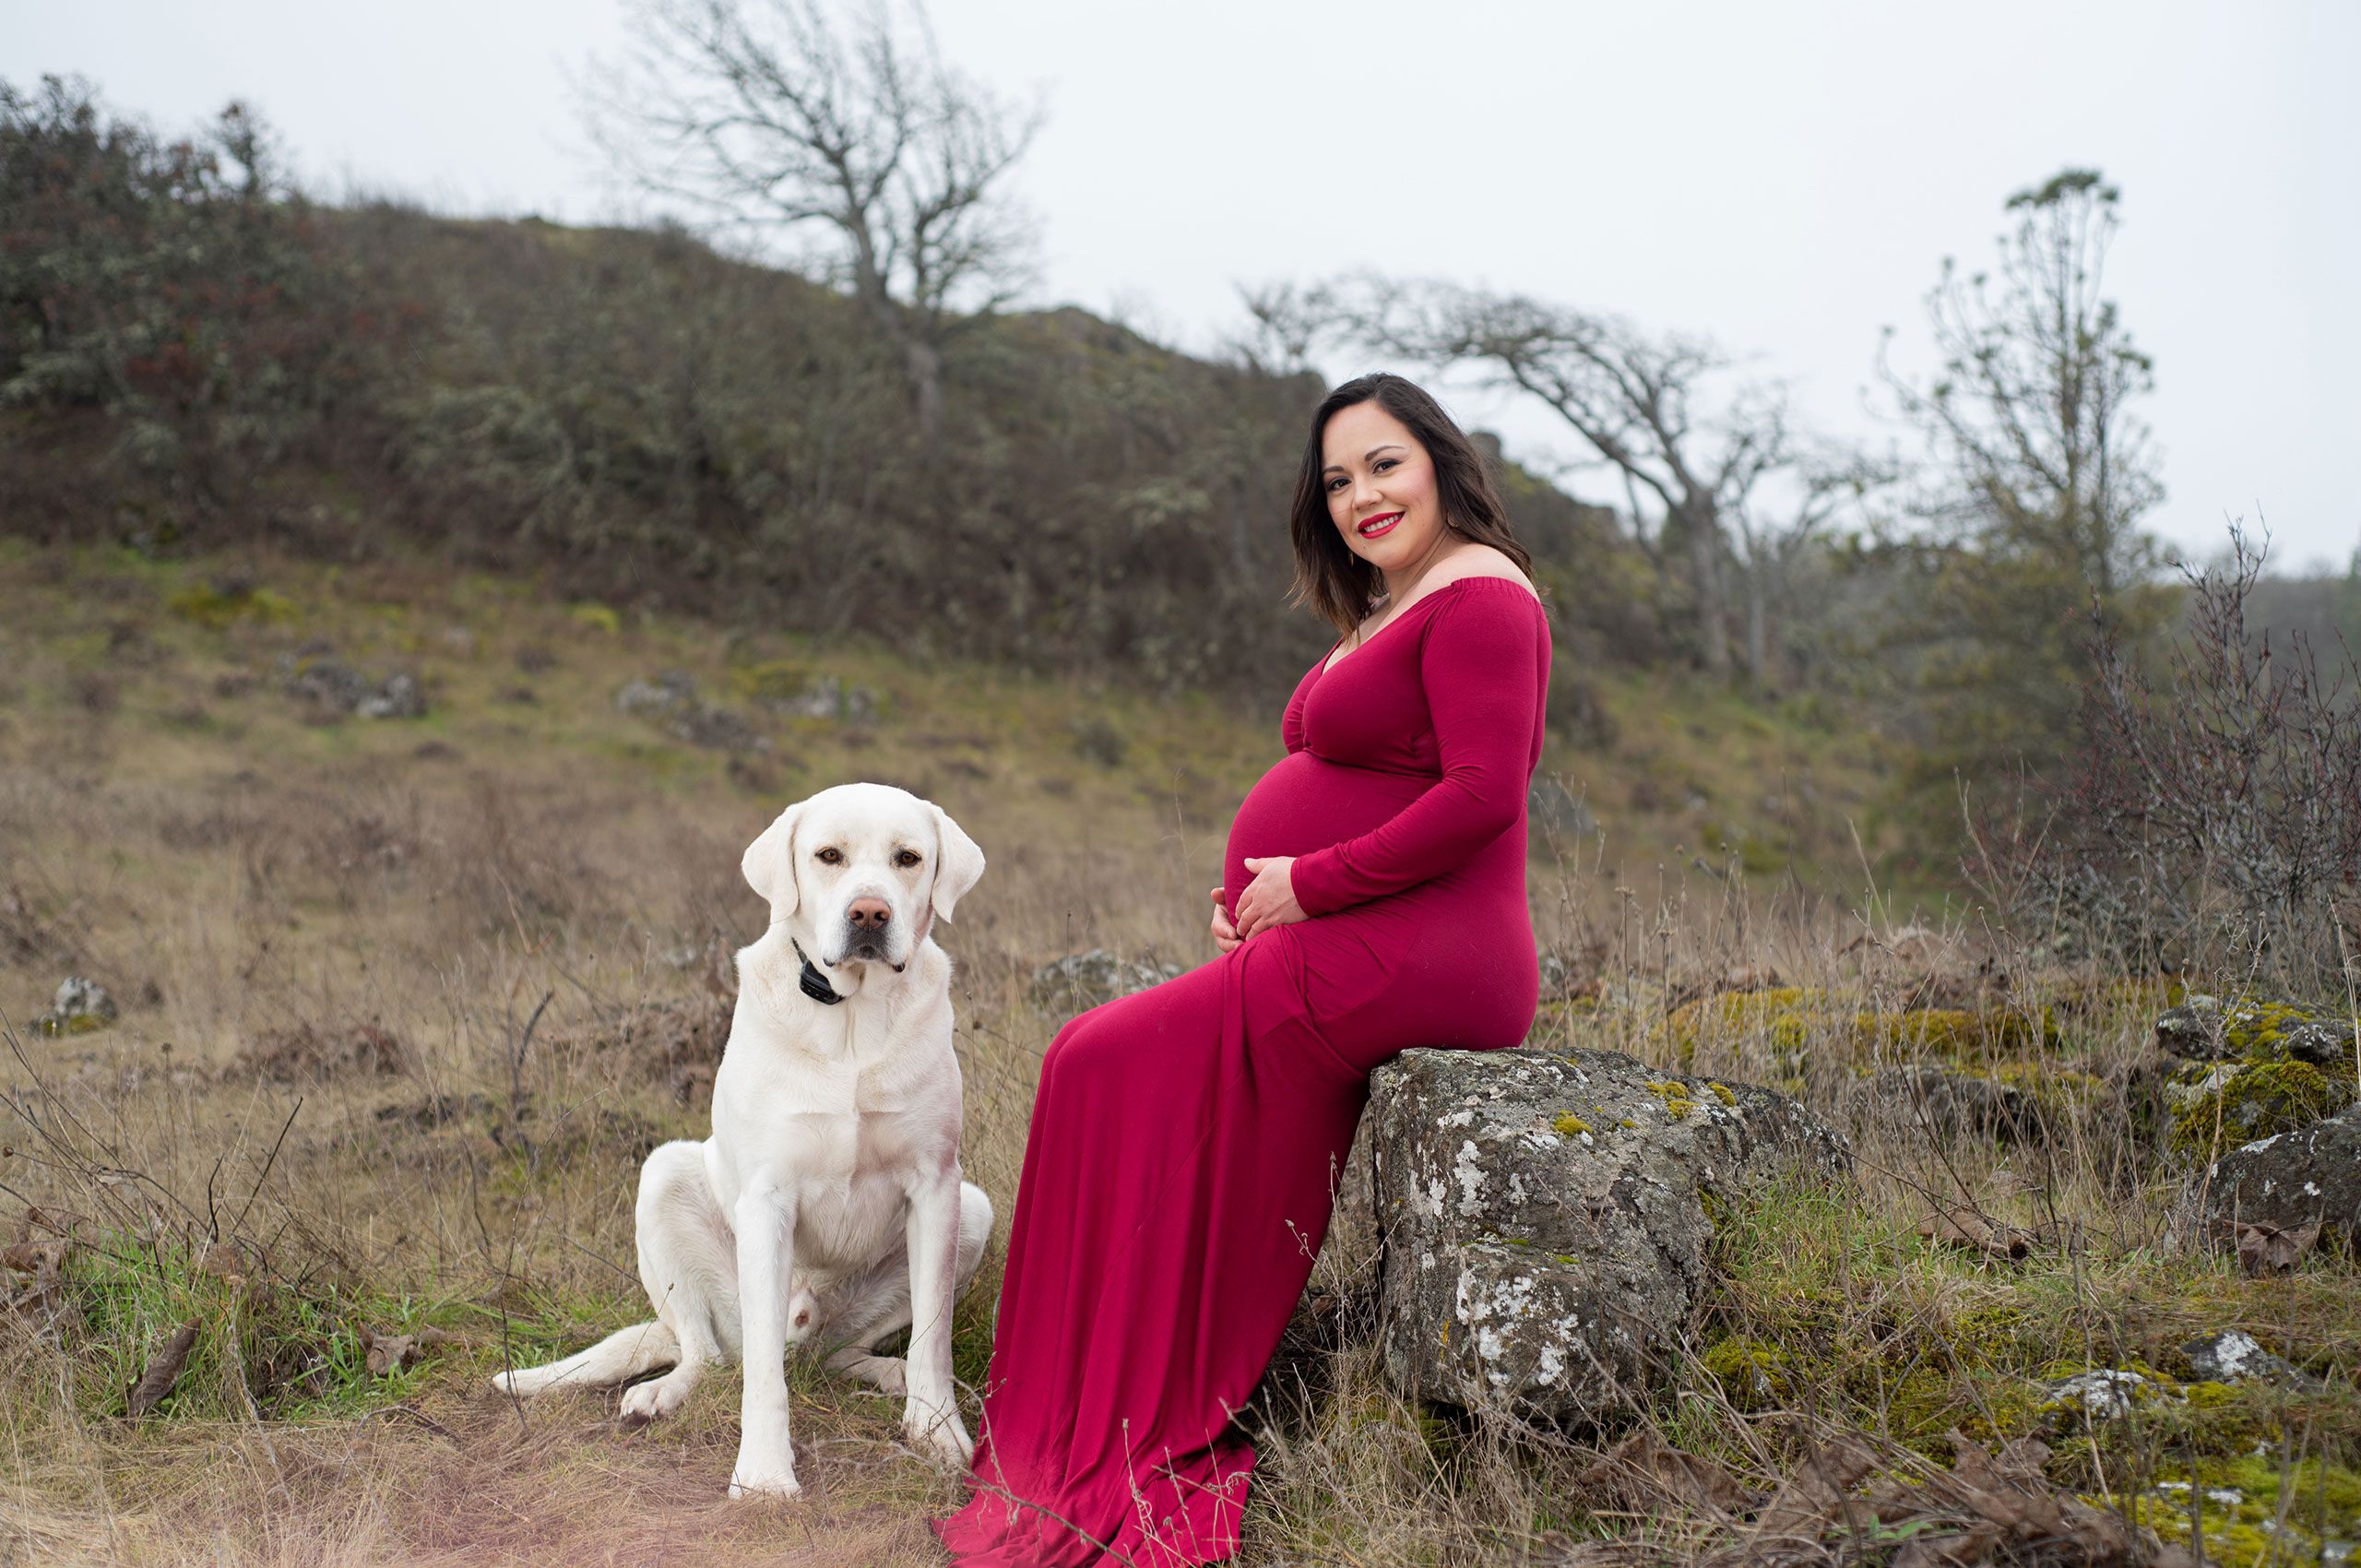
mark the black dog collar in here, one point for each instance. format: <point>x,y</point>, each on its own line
<point>815,984</point>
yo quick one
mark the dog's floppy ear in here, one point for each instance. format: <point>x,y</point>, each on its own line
<point>769,864</point>
<point>961,864</point>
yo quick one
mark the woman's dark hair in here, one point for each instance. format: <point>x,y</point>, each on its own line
<point>1328,575</point>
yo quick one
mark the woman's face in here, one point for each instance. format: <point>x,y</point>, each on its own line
<point>1381,487</point>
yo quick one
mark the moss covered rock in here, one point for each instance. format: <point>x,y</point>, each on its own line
<point>80,1007</point>
<point>2251,1069</point>
<point>1797,1022</point>
<point>2290,1180</point>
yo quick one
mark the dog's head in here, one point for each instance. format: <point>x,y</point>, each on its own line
<point>864,870</point>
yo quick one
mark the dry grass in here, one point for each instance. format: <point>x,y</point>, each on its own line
<point>397,1005</point>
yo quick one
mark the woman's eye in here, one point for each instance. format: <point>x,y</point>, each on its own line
<point>1385,463</point>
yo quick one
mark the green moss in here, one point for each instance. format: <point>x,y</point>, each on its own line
<point>1571,1126</point>
<point>2255,1510</point>
<point>1675,1095</point>
<point>1723,1093</point>
<point>217,607</point>
<point>1793,1022</point>
<point>597,617</point>
<point>1753,1375</point>
<point>773,679</point>
<point>2228,1105</point>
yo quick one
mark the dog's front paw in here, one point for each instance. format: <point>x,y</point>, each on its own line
<point>939,1434</point>
<point>763,1478</point>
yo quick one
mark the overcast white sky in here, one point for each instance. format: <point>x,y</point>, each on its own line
<point>1783,175</point>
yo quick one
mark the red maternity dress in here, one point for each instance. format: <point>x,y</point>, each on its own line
<point>1176,1175</point>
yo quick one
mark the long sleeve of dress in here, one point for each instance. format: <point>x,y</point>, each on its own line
<point>1479,668</point>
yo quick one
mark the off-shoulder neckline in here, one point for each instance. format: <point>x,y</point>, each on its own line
<point>1330,659</point>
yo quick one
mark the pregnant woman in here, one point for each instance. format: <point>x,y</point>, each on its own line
<point>1177,1177</point>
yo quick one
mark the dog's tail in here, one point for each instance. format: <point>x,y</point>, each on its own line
<point>619,1358</point>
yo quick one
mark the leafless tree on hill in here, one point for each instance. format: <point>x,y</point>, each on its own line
<point>777,116</point>
<point>1653,406</point>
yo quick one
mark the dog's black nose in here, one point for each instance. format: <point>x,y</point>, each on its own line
<point>869,914</point>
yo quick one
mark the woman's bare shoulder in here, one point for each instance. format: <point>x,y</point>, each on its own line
<point>1480,561</point>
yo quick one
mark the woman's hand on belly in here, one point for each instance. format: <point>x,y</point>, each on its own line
<point>1224,934</point>
<point>1269,899</point>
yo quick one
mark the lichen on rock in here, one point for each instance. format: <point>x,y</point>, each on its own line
<point>1549,1272</point>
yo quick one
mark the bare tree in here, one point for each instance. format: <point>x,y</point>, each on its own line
<point>1649,406</point>
<point>2032,406</point>
<point>769,117</point>
<point>1774,537</point>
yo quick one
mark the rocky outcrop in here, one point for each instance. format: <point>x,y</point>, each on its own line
<point>1544,1217</point>
<point>671,700</point>
<point>332,689</point>
<point>2291,1181</point>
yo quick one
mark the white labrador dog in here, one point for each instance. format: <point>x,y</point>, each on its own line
<point>827,1204</point>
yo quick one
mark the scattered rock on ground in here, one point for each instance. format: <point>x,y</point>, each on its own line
<point>2103,1394</point>
<point>1082,981</point>
<point>826,697</point>
<point>80,1007</point>
<point>1544,1217</point>
<point>672,701</point>
<point>2290,1181</point>
<point>333,688</point>
<point>2236,1356</point>
<point>2012,1102</point>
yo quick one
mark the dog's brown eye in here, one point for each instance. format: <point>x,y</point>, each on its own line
<point>832,856</point>
<point>907,857</point>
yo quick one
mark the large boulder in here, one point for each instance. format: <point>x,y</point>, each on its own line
<point>2292,1181</point>
<point>1544,1217</point>
<point>1083,980</point>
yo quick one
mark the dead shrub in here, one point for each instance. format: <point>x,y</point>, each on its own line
<point>314,1053</point>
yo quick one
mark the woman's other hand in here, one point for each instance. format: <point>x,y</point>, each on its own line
<point>1269,899</point>
<point>1224,934</point>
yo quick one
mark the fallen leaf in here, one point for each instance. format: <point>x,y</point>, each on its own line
<point>1966,1228</point>
<point>58,1222</point>
<point>29,1257</point>
<point>388,1353</point>
<point>162,1372</point>
<point>1815,1497</point>
<point>1646,1473</point>
<point>2267,1249</point>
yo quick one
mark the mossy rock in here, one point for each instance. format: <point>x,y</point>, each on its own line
<point>1796,1023</point>
<point>2205,1029</point>
<point>2234,1103</point>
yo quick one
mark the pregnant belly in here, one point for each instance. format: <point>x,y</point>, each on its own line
<point>1305,803</point>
